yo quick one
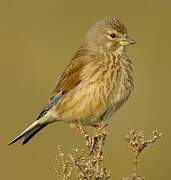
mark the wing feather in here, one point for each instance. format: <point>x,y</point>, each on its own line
<point>69,79</point>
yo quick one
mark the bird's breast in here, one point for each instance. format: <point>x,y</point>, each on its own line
<point>124,82</point>
<point>95,97</point>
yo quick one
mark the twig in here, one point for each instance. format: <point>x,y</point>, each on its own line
<point>136,142</point>
<point>86,164</point>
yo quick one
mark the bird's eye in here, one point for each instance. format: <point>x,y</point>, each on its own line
<point>113,35</point>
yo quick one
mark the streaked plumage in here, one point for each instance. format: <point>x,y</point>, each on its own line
<point>96,83</point>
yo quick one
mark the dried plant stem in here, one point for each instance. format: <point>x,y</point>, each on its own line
<point>87,163</point>
<point>84,164</point>
<point>62,169</point>
<point>136,142</point>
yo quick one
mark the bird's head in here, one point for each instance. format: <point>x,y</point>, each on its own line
<point>108,34</point>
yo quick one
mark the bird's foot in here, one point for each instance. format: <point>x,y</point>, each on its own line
<point>92,141</point>
<point>100,127</point>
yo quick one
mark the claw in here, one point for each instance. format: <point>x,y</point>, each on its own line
<point>91,140</point>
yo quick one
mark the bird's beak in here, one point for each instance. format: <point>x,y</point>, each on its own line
<point>126,40</point>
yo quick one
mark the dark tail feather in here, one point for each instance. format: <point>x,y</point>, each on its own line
<point>32,133</point>
<point>29,132</point>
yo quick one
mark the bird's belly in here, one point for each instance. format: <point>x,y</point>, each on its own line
<point>87,105</point>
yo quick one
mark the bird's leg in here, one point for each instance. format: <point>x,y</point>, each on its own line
<point>78,127</point>
<point>100,127</point>
<point>91,140</point>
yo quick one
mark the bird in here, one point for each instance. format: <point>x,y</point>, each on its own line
<point>95,84</point>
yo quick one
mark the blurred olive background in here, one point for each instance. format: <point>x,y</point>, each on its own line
<point>37,40</point>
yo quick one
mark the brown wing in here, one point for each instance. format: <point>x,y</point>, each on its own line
<point>69,79</point>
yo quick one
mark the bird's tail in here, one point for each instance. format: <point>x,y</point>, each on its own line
<point>29,132</point>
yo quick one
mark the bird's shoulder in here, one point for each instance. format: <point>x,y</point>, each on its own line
<point>71,76</point>
<point>69,79</point>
